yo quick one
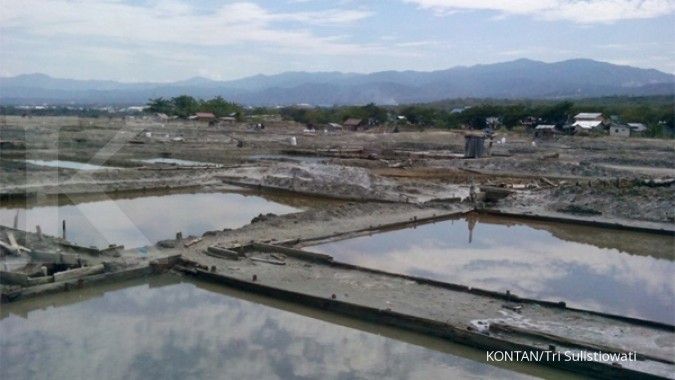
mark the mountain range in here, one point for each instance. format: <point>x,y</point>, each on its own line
<point>521,78</point>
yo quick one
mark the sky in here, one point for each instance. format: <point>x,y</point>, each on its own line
<point>161,41</point>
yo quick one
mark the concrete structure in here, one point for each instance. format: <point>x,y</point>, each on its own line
<point>474,145</point>
<point>616,129</point>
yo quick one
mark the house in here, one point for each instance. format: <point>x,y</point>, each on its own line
<point>544,130</point>
<point>618,129</point>
<point>203,116</point>
<point>637,128</point>
<point>529,121</point>
<point>228,120</point>
<point>333,127</point>
<point>585,122</point>
<point>352,124</point>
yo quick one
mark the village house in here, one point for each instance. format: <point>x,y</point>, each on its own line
<point>637,128</point>
<point>621,130</point>
<point>333,127</point>
<point>352,124</point>
<point>545,131</point>
<point>203,116</point>
<point>228,120</point>
<point>529,121</point>
<point>586,122</point>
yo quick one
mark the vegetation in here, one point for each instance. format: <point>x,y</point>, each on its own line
<point>657,112</point>
<point>183,106</point>
<point>334,114</point>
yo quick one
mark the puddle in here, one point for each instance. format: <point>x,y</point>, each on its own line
<point>177,162</point>
<point>162,328</point>
<point>142,220</point>
<point>613,271</point>
<point>68,165</point>
<point>282,157</point>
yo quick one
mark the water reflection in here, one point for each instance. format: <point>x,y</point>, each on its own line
<point>182,331</point>
<point>176,161</point>
<point>625,273</point>
<point>67,164</point>
<point>144,220</point>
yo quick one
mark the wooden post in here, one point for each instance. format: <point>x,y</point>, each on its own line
<point>38,231</point>
<point>64,229</point>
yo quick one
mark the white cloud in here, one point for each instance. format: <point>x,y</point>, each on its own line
<point>178,23</point>
<point>579,11</point>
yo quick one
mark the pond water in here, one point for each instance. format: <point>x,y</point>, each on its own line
<point>282,157</point>
<point>161,328</point>
<point>67,164</point>
<point>176,161</point>
<point>141,220</point>
<point>613,271</point>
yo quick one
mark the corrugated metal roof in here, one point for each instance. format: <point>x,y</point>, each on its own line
<point>545,126</point>
<point>588,115</point>
<point>637,127</point>
<point>587,124</point>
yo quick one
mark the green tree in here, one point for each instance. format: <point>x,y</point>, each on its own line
<point>160,105</point>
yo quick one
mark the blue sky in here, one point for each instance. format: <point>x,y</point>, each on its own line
<point>156,40</point>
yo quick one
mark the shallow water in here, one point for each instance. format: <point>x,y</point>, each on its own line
<point>175,161</point>
<point>168,329</point>
<point>143,220</point>
<point>67,164</point>
<point>282,157</point>
<point>607,270</point>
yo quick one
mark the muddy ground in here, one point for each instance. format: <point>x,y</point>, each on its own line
<point>594,176</point>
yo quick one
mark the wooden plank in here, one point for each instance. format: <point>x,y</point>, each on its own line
<point>78,272</point>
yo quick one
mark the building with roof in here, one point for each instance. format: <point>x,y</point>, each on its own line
<point>617,129</point>
<point>637,127</point>
<point>352,124</point>
<point>203,116</point>
<point>544,130</point>
<point>585,122</point>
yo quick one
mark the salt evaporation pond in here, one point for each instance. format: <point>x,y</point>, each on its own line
<point>166,329</point>
<point>176,161</point>
<point>67,164</point>
<point>619,272</point>
<point>142,220</point>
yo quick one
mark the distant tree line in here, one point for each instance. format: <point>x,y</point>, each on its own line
<point>323,115</point>
<point>658,113</point>
<point>183,106</point>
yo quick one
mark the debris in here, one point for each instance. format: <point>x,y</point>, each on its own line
<point>222,253</point>
<point>192,242</point>
<point>548,181</point>
<point>577,209</point>
<point>268,261</point>
<point>78,272</point>
<point>515,307</point>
